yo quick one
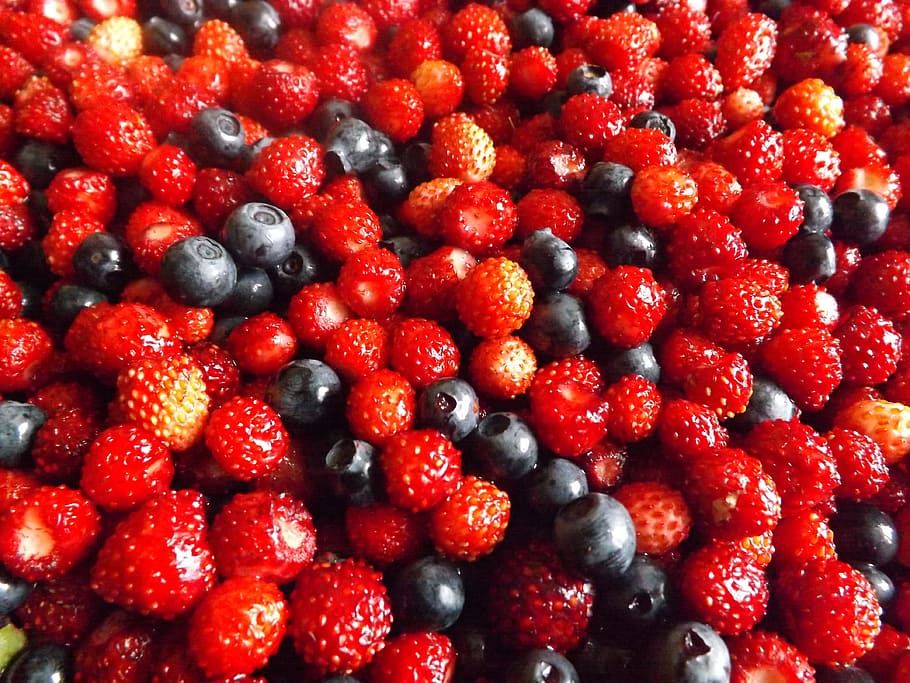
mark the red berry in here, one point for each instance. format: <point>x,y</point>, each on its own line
<point>380,406</point>
<point>471,520</point>
<point>494,298</point>
<point>806,363</point>
<point>372,282</point>
<point>626,304</point>
<point>660,515</point>
<point>429,657</point>
<point>421,467</point>
<point>766,653</point>
<point>246,437</point>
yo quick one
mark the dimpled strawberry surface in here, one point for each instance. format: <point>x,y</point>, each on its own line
<point>516,341</point>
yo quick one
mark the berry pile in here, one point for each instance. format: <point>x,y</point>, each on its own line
<point>404,340</point>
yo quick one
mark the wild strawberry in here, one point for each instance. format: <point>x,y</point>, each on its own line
<point>237,626</point>
<point>414,42</point>
<point>725,386</point>
<point>62,610</point>
<point>808,306</point>
<point>340,615</point>
<point>588,121</point>
<point>10,296</point>
<point>423,351</point>
<point>475,27</point>
<point>683,30</point>
<point>440,86</point>
<point>42,111</point>
<point>85,191</point>
<point>861,71</point>
<point>809,159</point>
<point>661,195</point>
<point>502,367</point>
<point>543,208</point>
<point>113,138</point>
<point>349,24</point>
<point>689,431</point>
<point>486,76</point>
<point>745,49</point>
<point>288,170</point>
<point>870,346</point>
<point>698,122</point>
<point>886,423</point>
<point>357,348</point>
<point>810,104</point>
<point>216,193</point>
<point>737,311</point>
<point>860,462</point>
<point>884,660</point>
<point>478,217</point>
<point>246,437</point>
<point>471,520</point>
<point>823,594</point>
<point>189,324</point>
<point>768,214</point>
<point>634,408</point>
<point>692,76</point>
<point>760,653</point>
<point>626,304</point>
<point>623,38</point>
<point>389,13</point>
<point>169,174</point>
<point>536,601</point>
<point>660,515</point>
<point>461,149</point>
<point>718,188</point>
<point>14,188</point>
<point>384,534</point>
<point>494,298</point>
<point>380,406</point>
<point>429,656</point>
<point>754,153</point>
<point>24,347</point>
<point>60,444</point>
<point>703,244</point>
<point>340,72</point>
<point>806,363</point>
<point>591,267</point>
<point>31,34</point>
<point>892,87</point>
<point>372,282</point>
<point>639,148</point>
<point>395,107</point>
<point>121,646</point>
<point>64,235</point>
<point>47,532</point>
<point>532,72</point>
<point>809,45</point>
<point>881,283</point>
<point>262,344</point>
<point>421,467</point>
<point>216,38</point>
<point>16,72</point>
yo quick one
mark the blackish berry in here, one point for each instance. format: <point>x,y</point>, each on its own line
<point>632,244</point>
<point>162,37</point>
<point>217,135</point>
<point>186,12</point>
<point>13,592</point>
<point>32,299</point>
<point>252,294</point>
<point>860,216</point>
<point>405,247</point>
<point>224,325</point>
<point>818,210</point>
<point>220,9</point>
<point>866,34</point>
<point>198,271</point>
<point>427,595</point>
<point>415,159</point>
<point>327,113</point>
<point>352,146</point>
<point>768,402</point>
<point>305,392</point>
<point>557,326</point>
<point>67,300</point>
<point>502,447</point>
<point>450,406</point>
<point>45,662</point>
<point>258,23</point>
<point>605,190</point>
<point>635,604</point>
<point>589,78</point>
<point>259,235</point>
<point>863,533</point>
<point>532,27</point>
<point>39,162</point>
<point>639,360</point>
<point>598,659</point>
<point>302,267</point>
<point>353,466</point>
<point>656,120</point>
<point>842,674</point>
<point>386,183</point>
<point>80,28</point>
<point>595,534</point>
<point>19,422</point>
<point>810,257</point>
<point>554,484</point>
<point>881,583</point>
<point>549,261</point>
<point>104,262</point>
<point>541,666</point>
<point>690,652</point>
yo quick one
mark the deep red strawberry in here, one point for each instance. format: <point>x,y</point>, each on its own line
<point>24,346</point>
<point>379,406</point>
<point>42,111</point>
<point>61,443</point>
<point>870,346</point>
<point>316,311</point>
<point>626,305</point>
<point>881,282</point>
<point>689,431</point>
<point>113,138</point>
<point>806,363</point>
<point>428,657</point>
<point>421,467</point>
<point>635,404</point>
<point>478,217</point>
<point>384,534</point>
<point>736,311</point>
<point>475,27</point>
<point>754,153</point>
<point>471,520</point>
<point>745,49</point>
<point>262,344</point>
<point>423,351</point>
<point>372,282</point>
<point>62,610</point>
<point>766,653</point>
<point>886,423</point>
<point>433,280</point>
<point>288,170</point>
<point>246,437</point>
<point>120,647</point>
<point>358,347</point>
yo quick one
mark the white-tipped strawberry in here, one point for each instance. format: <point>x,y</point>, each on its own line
<point>885,422</point>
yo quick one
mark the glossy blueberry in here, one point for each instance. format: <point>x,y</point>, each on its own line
<point>860,216</point>
<point>598,659</point>
<point>449,405</point>
<point>689,652</point>
<point>302,267</point>
<point>881,583</point>
<point>605,190</point>
<point>768,402</point>
<point>656,120</point>
<point>259,234</point>
<point>631,244</point>
<point>80,28</point>
<point>557,327</point>
<point>818,209</point>
<point>220,9</point>
<point>258,23</point>
<point>639,360</point>
<point>842,674</point>
<point>186,12</point>
<point>305,392</point>
<point>39,162</point>
<point>532,27</point>
<point>864,33</point>
<point>595,534</point>
<point>352,146</point>
<point>427,595</point>
<point>810,257</point>
<point>502,447</point>
<point>554,484</point>
<point>42,663</point>
<point>549,261</point>
<point>32,295</point>
<point>415,159</point>
<point>19,422</point>
<point>224,325</point>
<point>13,590</point>
<point>198,271</point>
<point>353,466</point>
<point>405,247</point>
<point>863,533</point>
<point>252,294</point>
<point>541,666</point>
<point>68,300</point>
<point>161,37</point>
<point>589,78</point>
<point>327,113</point>
<point>104,262</point>
<point>217,134</point>
<point>386,183</point>
<point>635,604</point>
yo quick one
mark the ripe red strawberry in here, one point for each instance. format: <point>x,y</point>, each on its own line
<point>83,190</point>
<point>14,188</point>
<point>371,282</point>
<point>216,38</point>
<point>689,431</point>
<point>486,76</point>
<point>623,38</point>
<point>640,148</point>
<point>341,229</point>
<point>31,33</point>
<point>459,148</point>
<point>414,42</point>
<point>394,106</point>
<point>828,610</point>
<point>725,386</point>
<point>347,24</point>
<point>881,283</point>
<point>692,76</point>
<point>478,217</point>
<point>152,228</point>
<point>703,244</point>
<point>428,657</point>
<point>698,122</point>
<point>216,193</point>
<point>384,534</point>
<point>494,298</point>
<point>237,626</point>
<point>768,214</point>
<point>64,235</point>
<point>316,311</point>
<point>440,86</point>
<point>754,153</point>
<point>62,610</point>
<point>262,344</point>
<point>860,462</point>
<point>42,111</point>
<point>736,311</point>
<point>358,347</point>
<point>340,615</point>
<point>870,346</point>
<point>718,187</point>
<point>806,363</point>
<point>886,423</point>
<point>535,601</point>
<point>502,367</point>
<point>16,70</point>
<point>626,304</point>
<point>158,560</point>
<point>121,647</point>
<point>809,158</point>
<point>810,104</point>
<point>892,87</point>
<point>288,170</point>
<point>246,437</point>
<point>282,94</point>
<point>474,27</point>
<point>660,515</point>
<point>545,208</point>
<point>661,195</point>
<point>10,296</point>
<point>745,49</point>
<point>423,351</point>
<point>471,520</point>
<point>532,72</point>
<point>47,531</point>
<point>589,122</point>
<point>340,72</point>
<point>61,443</point>
<point>113,138</point>
<point>808,306</point>
<point>379,406</point>
<point>169,174</point>
<point>24,347</point>
<point>421,467</point>
<point>760,653</point>
<point>634,408</point>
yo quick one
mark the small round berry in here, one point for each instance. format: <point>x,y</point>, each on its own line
<point>554,484</point>
<point>305,392</point>
<point>218,134</point>
<point>259,234</point>
<point>449,405</point>
<point>632,244</point>
<point>810,257</point>
<point>549,261</point>
<point>352,464</point>
<point>103,262</point>
<point>689,651</point>
<point>427,595</point>
<point>818,209</point>
<point>654,119</point>
<point>19,422</point>
<point>541,665</point>
<point>589,78</point>
<point>557,326</point>
<point>198,271</point>
<point>637,603</point>
<point>258,23</point>
<point>860,216</point>
<point>595,534</point>
<point>863,533</point>
<point>502,447</point>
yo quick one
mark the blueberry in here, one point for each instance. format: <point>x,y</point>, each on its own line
<point>635,604</point>
<point>768,402</point>
<point>19,422</point>
<point>589,78</point>
<point>355,472</point>
<point>502,447</point>
<point>217,135</point>
<point>863,533</point>
<point>68,300</point>
<point>639,360</point>
<point>302,267</point>
<point>386,183</point>
<point>595,534</point>
<point>449,405</point>
<point>860,216</point>
<point>162,37</point>
<point>220,9</point>
<point>605,191</point>
<point>352,146</point>
<point>252,293</point>
<point>557,327</point>
<point>39,162</point>
<point>405,247</point>
<point>532,27</point>
<point>13,590</point>
<point>632,244</point>
<point>305,392</point>
<point>32,297</point>
<point>549,261</point>
<point>810,257</point>
<point>555,484</point>
<point>42,663</point>
<point>104,262</point>
<point>842,674</point>
<point>198,271</point>
<point>689,652</point>
<point>598,659</point>
<point>327,113</point>
<point>80,28</point>
<point>427,595</point>
<point>881,583</point>
<point>541,666</point>
<point>258,23</point>
<point>259,235</point>
<point>186,12</point>
<point>864,33</point>
<point>655,120</point>
<point>818,209</point>
<point>415,157</point>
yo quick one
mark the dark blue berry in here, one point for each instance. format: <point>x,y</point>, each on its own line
<point>589,78</point>
<point>224,325</point>
<point>352,146</point>
<point>595,534</point>
<point>198,271</point>
<point>259,235</point>
<point>305,392</point>
<point>220,9</point>
<point>866,34</point>
<point>554,484</point>
<point>415,159</point>
<point>605,190</point>
<point>541,666</point>
<point>80,28</point>
<point>162,37</point>
<point>68,300</point>
<point>252,294</point>
<point>13,590</point>
<point>405,247</point>
<point>42,663</point>
<point>810,257</point>
<point>639,360</point>
<point>302,267</point>
<point>19,422</point>
<point>689,652</point>
<point>635,604</point>
<point>557,327</point>
<point>860,216</point>
<point>386,183</point>
<point>863,533</point>
<point>549,261</point>
<point>32,296</point>
<point>502,447</point>
<point>818,209</point>
<point>102,261</point>
<point>186,12</point>
<point>842,674</point>
<point>599,659</point>
<point>427,595</point>
<point>217,135</point>
<point>449,405</point>
<point>532,27</point>
<point>768,402</point>
<point>881,583</point>
<point>655,120</point>
<point>632,244</point>
<point>353,466</point>
<point>258,23</point>
<point>327,113</point>
<point>39,162</point>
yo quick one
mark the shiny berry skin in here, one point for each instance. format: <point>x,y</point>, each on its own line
<point>421,467</point>
<point>262,344</point>
<point>449,405</point>
<point>626,305</point>
<point>595,535</point>
<point>198,271</point>
<point>113,138</point>
<point>660,515</point>
<point>288,170</point>
<point>427,595</point>
<point>372,282</point>
<point>495,297</point>
<point>246,437</point>
<point>430,656</point>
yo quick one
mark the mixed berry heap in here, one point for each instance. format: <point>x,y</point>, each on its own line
<point>395,340</point>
